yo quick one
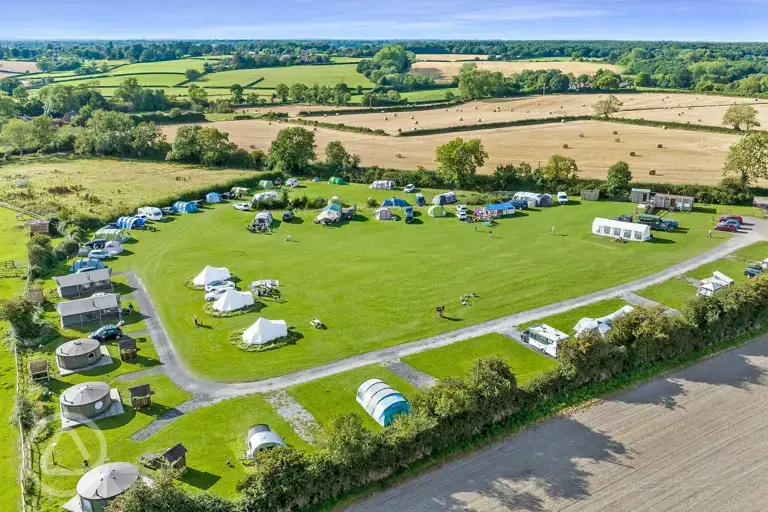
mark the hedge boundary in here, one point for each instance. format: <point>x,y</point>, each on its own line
<point>490,126</point>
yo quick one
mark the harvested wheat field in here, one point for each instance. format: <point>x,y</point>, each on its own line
<point>449,57</point>
<point>686,157</point>
<point>698,115</point>
<point>445,71</point>
<point>534,107</point>
<point>18,66</point>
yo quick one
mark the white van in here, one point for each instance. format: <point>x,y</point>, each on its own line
<point>151,213</point>
<point>461,212</point>
<point>562,198</point>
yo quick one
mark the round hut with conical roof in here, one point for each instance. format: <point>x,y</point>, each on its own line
<point>77,354</point>
<point>104,483</point>
<point>87,400</point>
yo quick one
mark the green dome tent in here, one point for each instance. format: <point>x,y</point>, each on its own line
<point>436,210</point>
<point>336,181</point>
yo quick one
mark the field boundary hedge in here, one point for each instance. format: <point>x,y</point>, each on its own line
<point>489,126</point>
<point>671,125</point>
<point>335,126</point>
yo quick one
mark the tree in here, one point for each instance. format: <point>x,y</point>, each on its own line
<point>559,169</point>
<point>19,134</point>
<point>202,144</point>
<point>20,93</point>
<point>148,140</point>
<point>8,107</point>
<point>457,161</point>
<point>237,93</point>
<point>199,97</point>
<point>617,181</point>
<point>738,115</point>
<point>43,131</point>
<point>608,106</point>
<point>22,314</point>
<point>291,150</point>
<point>282,92</point>
<point>607,82</point>
<point>337,157</point>
<point>643,79</point>
<point>105,133</point>
<point>299,92</point>
<point>748,158</point>
<point>192,74</point>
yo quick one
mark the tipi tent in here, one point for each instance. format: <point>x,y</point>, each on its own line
<point>213,197</point>
<point>436,210</point>
<point>232,300</point>
<point>336,181</point>
<point>382,214</point>
<point>211,274</point>
<point>263,331</point>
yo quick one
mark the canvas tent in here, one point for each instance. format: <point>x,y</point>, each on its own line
<point>602,324</point>
<point>625,230</point>
<point>711,285</point>
<point>266,184</point>
<point>381,401</point>
<point>91,263</point>
<point>130,222</point>
<point>436,211</point>
<point>445,198</point>
<point>89,310</point>
<point>382,185</point>
<point>395,202</point>
<point>336,181</point>
<point>499,210</point>
<point>108,234</point>
<point>263,219</point>
<point>292,182</point>
<point>184,207</point>
<point>382,214</point>
<point>261,437</point>
<point>534,199</point>
<point>336,200</point>
<point>327,216</point>
<point>212,198</point>
<point>238,192</point>
<point>232,300</point>
<point>263,331</point>
<point>210,274</point>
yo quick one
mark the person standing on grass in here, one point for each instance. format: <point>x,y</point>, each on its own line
<point>490,234</point>
<point>194,319</point>
<point>709,234</point>
<point>553,230</point>
<point>288,237</point>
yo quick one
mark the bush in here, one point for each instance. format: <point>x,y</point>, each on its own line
<point>372,203</point>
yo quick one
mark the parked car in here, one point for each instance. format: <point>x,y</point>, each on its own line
<point>409,188</point>
<point>732,222</point>
<point>726,217</point>
<point>243,207</point>
<point>97,243</point>
<point>562,198</point>
<point>214,285</point>
<point>519,204</point>
<point>215,293</point>
<point>669,224</point>
<point>288,216</point>
<point>753,271</point>
<point>167,210</point>
<point>420,201</point>
<point>106,333</point>
<point>408,211</point>
<point>726,227</point>
<point>100,254</point>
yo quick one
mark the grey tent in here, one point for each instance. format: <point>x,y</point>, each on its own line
<point>87,400</point>
<point>104,483</point>
<point>76,354</point>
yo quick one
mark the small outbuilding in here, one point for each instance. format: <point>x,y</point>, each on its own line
<point>232,300</point>
<point>141,396</point>
<point>590,194</point>
<point>89,310</point>
<point>101,485</point>
<point>175,458</point>
<point>264,331</point>
<point>184,207</point>
<point>107,233</point>
<point>128,350</point>
<point>212,198</point>
<point>83,283</point>
<point>78,354</point>
<point>336,181</point>
<point>628,231</point>
<point>499,210</point>
<point>85,400</point>
<point>381,401</point>
<point>382,213</point>
<point>210,274</point>
<point>86,263</point>
<point>38,370</point>
<point>260,437</point>
<point>39,226</point>
<point>436,210</point>
<point>35,294</point>
<point>640,195</point>
<point>382,185</point>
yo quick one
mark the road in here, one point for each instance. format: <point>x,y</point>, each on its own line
<point>694,440</point>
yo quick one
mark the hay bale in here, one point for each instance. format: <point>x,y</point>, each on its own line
<point>337,113</point>
<point>538,103</point>
<point>415,122</point>
<point>652,172</point>
<point>475,108</point>
<point>664,127</point>
<point>617,139</point>
<point>631,153</point>
<point>511,110</point>
<point>562,120</point>
<point>565,146</point>
<point>253,146</point>
<point>581,135</point>
<point>615,132</point>
<point>270,123</point>
<point>699,120</point>
<point>325,115</point>
<point>550,112</point>
<point>479,120</point>
<point>561,106</point>
<point>461,119</point>
<point>398,155</point>
<point>411,117</point>
<point>659,146</point>
<point>386,118</point>
<point>395,114</point>
<point>399,130</point>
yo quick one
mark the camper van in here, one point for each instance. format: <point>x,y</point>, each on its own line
<point>151,212</point>
<point>562,198</point>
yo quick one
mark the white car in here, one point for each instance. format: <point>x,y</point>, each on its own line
<point>215,294</point>
<point>244,207</point>
<point>562,198</point>
<point>216,285</point>
<point>409,188</point>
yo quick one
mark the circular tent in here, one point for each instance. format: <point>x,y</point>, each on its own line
<point>381,401</point>
<point>88,399</point>
<point>261,438</point>
<point>104,483</point>
<point>436,210</point>
<point>76,354</point>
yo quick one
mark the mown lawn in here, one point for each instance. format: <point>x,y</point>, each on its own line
<point>377,284</point>
<point>459,358</point>
<point>145,80</point>
<point>332,396</point>
<point>310,75</point>
<point>227,78</point>
<point>674,293</point>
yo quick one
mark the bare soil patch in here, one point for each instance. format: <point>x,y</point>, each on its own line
<point>18,66</point>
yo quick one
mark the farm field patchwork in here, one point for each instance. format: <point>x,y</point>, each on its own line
<point>696,115</point>
<point>687,157</point>
<point>445,71</point>
<point>457,359</point>
<point>341,275</point>
<point>227,78</point>
<point>144,79</point>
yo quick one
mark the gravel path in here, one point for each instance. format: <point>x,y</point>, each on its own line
<point>301,420</point>
<point>693,440</point>
<point>139,374</point>
<point>418,378</point>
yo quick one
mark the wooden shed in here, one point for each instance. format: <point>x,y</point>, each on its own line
<point>39,226</point>
<point>127,349</point>
<point>175,457</point>
<point>640,195</point>
<point>590,194</point>
<point>141,396</point>
<point>38,370</point>
<point>35,294</point>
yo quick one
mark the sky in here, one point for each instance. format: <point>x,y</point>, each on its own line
<point>686,20</point>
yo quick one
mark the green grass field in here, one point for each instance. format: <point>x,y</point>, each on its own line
<point>332,396</point>
<point>375,284</point>
<point>566,321</point>
<point>457,359</point>
<point>674,293</point>
<point>310,75</point>
<point>145,80</point>
<point>227,78</point>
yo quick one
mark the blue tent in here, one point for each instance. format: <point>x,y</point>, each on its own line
<point>87,262</point>
<point>395,201</point>
<point>184,207</point>
<point>381,401</point>
<point>497,210</point>
<point>315,179</point>
<point>213,197</point>
<point>129,222</point>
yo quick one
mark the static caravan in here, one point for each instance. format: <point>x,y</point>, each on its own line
<point>625,230</point>
<point>383,185</point>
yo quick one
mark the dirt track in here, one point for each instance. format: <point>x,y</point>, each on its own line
<point>692,441</point>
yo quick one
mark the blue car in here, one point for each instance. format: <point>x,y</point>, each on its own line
<point>106,333</point>
<point>732,222</point>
